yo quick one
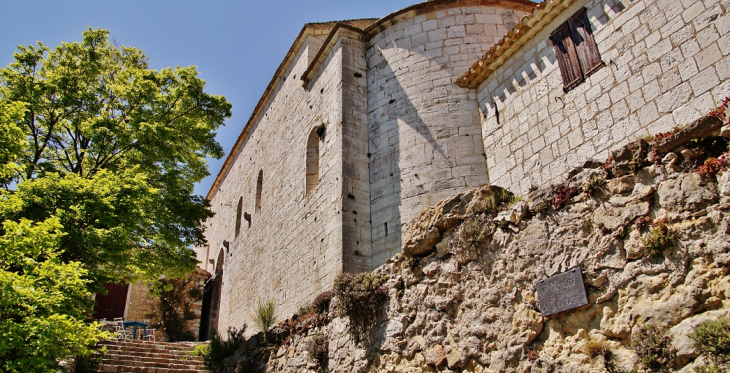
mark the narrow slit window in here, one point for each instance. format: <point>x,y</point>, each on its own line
<point>312,159</point>
<point>259,186</point>
<point>576,50</point>
<point>239,212</point>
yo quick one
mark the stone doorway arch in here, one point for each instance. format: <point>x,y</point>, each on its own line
<point>209,315</point>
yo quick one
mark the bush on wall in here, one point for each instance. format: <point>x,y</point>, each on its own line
<point>222,348</point>
<point>360,297</point>
<point>174,310</point>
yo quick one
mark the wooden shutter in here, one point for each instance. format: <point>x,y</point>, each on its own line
<point>585,45</point>
<point>567,57</point>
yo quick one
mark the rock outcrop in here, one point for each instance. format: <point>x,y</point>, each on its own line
<point>466,305</point>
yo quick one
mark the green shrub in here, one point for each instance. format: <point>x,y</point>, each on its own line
<point>88,364</point>
<point>659,239</point>
<point>654,348</point>
<point>320,304</point>
<point>265,315</point>
<point>596,182</point>
<point>494,202</point>
<point>712,339</point>
<point>222,348</point>
<point>595,348</point>
<point>200,350</point>
<point>175,307</point>
<point>360,296</point>
<point>318,350</point>
<point>473,232</point>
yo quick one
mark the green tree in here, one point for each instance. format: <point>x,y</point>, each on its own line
<point>12,140</point>
<point>43,301</point>
<point>114,150</point>
<point>98,158</point>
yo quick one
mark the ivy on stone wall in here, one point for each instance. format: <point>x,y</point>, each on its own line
<point>175,307</point>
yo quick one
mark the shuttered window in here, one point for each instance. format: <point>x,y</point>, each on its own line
<point>576,50</point>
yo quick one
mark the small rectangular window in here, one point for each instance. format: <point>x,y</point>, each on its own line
<point>576,50</point>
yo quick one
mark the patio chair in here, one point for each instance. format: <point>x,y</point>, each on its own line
<point>120,332</point>
<point>150,336</point>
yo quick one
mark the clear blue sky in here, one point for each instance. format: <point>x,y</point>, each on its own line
<point>236,45</point>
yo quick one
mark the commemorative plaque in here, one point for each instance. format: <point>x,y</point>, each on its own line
<point>561,292</point>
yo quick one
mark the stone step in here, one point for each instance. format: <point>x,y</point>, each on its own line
<point>150,357</point>
<point>151,364</point>
<point>152,353</point>
<point>133,369</point>
<point>173,346</point>
<point>177,360</point>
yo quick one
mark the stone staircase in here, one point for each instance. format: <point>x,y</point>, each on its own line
<point>150,357</point>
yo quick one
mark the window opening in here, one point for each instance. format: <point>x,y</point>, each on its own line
<point>576,50</point>
<point>239,212</point>
<point>312,159</point>
<point>259,186</point>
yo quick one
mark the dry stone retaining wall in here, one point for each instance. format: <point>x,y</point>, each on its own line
<point>474,308</point>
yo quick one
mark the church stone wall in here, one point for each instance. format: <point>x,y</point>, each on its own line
<point>292,249</point>
<point>357,248</point>
<point>424,130</point>
<point>666,63</point>
<point>399,135</point>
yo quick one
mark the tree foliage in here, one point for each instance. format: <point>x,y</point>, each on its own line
<point>113,149</point>
<point>98,158</point>
<point>12,141</point>
<point>44,302</point>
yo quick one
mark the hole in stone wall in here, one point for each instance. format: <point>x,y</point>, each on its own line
<point>357,75</point>
<point>321,130</point>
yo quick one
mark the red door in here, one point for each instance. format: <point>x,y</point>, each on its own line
<point>112,304</point>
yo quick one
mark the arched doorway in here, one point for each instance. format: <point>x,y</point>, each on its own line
<point>211,301</point>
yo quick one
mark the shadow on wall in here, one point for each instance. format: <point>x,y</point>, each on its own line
<point>424,138</point>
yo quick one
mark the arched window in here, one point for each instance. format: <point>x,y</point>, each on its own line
<point>239,212</point>
<point>312,160</point>
<point>259,186</point>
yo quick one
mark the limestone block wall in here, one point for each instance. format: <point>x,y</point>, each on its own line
<point>666,63</point>
<point>143,306</point>
<point>140,303</point>
<point>292,249</point>
<point>424,131</point>
<point>355,171</point>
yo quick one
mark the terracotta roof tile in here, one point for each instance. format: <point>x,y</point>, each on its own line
<point>518,36</point>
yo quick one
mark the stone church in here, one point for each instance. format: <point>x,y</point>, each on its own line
<point>367,122</point>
